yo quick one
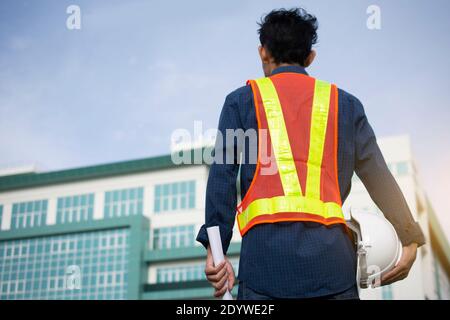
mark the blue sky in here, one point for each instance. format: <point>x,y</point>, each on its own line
<point>137,70</point>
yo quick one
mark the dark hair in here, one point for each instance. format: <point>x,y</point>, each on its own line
<point>288,35</point>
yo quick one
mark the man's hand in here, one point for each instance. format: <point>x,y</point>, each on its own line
<point>218,275</point>
<point>401,270</point>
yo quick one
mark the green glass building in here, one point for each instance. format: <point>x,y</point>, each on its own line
<point>115,231</point>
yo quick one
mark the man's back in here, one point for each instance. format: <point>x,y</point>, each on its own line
<point>297,259</point>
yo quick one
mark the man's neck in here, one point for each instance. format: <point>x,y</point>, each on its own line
<point>274,66</point>
<point>287,65</point>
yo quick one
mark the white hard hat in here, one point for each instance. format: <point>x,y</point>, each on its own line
<point>378,246</point>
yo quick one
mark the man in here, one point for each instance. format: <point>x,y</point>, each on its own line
<point>294,243</point>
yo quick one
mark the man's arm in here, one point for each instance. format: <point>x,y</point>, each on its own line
<point>373,171</point>
<point>221,193</point>
<point>221,197</point>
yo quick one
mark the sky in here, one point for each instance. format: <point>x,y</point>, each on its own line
<point>137,70</point>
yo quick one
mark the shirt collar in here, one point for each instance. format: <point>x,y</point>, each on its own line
<point>294,69</point>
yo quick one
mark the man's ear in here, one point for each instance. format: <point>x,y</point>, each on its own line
<point>310,58</point>
<point>265,59</point>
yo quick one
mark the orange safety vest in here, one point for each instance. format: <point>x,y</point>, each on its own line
<point>300,115</point>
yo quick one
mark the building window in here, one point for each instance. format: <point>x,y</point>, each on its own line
<point>125,202</point>
<point>179,274</point>
<point>186,272</point>
<point>173,237</point>
<point>38,268</point>
<point>29,214</point>
<point>75,208</point>
<point>402,168</point>
<point>1,215</point>
<point>174,196</point>
<point>387,292</point>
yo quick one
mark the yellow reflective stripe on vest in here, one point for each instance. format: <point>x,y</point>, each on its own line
<point>266,206</point>
<point>319,120</point>
<point>280,140</point>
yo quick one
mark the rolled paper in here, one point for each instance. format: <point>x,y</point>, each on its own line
<point>215,244</point>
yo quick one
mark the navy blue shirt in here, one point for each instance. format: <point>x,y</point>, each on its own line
<point>301,259</point>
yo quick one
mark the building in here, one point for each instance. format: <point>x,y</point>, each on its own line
<point>127,231</point>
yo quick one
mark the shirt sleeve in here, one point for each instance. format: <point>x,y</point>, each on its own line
<point>221,191</point>
<point>373,171</point>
